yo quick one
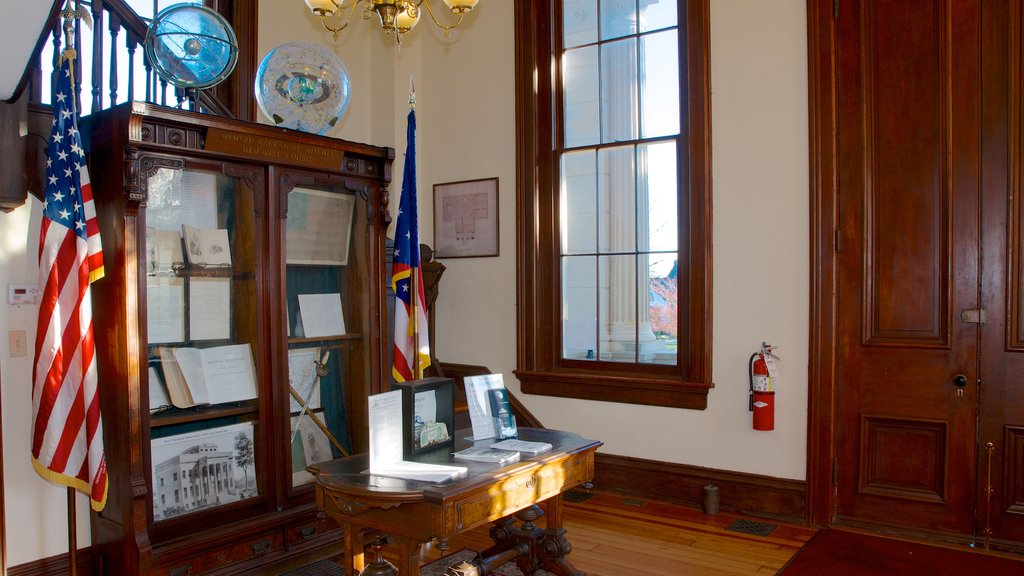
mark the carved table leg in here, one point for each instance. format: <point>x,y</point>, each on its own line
<point>379,566</point>
<point>554,545</point>
<point>532,548</point>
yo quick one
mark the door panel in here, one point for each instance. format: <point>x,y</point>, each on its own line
<point>909,216</point>
<point>1001,422</point>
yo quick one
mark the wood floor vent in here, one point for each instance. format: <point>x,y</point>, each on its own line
<point>751,527</point>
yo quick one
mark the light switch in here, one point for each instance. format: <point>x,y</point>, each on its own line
<point>17,343</point>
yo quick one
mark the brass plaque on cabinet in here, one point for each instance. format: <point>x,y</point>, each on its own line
<point>271,149</point>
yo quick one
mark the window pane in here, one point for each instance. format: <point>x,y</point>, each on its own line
<point>618,18</point>
<point>617,200</point>
<point>581,88</point>
<point>619,91</point>
<point>579,307</point>
<point>579,22</point>
<point>579,202</point>
<point>659,310</point>
<point>657,15</point>
<point>657,194</point>
<point>659,87</point>
<point>618,308</point>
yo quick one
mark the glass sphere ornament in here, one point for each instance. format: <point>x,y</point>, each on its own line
<point>303,86</point>
<point>191,46</point>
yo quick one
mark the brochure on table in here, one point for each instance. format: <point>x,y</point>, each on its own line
<point>486,396</point>
<point>385,411</point>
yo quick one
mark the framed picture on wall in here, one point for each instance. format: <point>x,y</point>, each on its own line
<point>466,219</point>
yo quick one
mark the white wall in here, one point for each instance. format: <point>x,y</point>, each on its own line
<point>759,155</point>
<point>465,87</point>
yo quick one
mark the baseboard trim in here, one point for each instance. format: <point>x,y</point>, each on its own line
<point>752,494</point>
<point>54,565</point>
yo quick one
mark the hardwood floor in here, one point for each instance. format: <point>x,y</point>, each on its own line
<point>615,536</point>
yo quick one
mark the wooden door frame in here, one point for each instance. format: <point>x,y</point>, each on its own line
<point>824,180</point>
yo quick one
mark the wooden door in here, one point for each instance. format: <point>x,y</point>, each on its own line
<point>1000,498</point>
<point>909,194</point>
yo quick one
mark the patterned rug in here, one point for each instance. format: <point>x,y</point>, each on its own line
<point>435,568</point>
<point>438,567</point>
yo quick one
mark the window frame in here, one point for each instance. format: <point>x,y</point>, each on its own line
<point>540,366</point>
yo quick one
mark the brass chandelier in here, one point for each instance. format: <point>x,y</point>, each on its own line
<point>398,16</point>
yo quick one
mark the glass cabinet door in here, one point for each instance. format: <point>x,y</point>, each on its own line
<point>326,287</point>
<point>202,324</point>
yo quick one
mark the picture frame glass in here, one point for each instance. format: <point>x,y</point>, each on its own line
<point>466,219</point>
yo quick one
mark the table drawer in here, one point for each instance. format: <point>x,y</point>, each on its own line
<point>522,490</point>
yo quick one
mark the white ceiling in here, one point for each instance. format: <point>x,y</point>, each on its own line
<point>20,26</point>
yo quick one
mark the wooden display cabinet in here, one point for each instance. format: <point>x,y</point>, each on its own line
<point>242,262</point>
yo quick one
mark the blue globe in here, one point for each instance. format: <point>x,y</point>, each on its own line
<point>191,46</point>
<point>303,86</point>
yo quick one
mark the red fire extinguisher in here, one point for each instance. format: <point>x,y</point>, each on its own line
<point>762,390</point>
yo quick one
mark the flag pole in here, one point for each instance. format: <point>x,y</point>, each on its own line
<point>414,296</point>
<point>70,14</point>
<point>72,533</point>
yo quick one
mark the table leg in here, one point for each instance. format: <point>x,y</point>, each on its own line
<point>531,547</point>
<point>408,557</point>
<point>554,545</point>
<point>353,550</point>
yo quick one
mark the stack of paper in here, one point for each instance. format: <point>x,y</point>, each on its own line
<point>485,454</point>
<point>524,446</point>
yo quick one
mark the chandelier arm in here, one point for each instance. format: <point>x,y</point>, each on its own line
<point>341,7</point>
<point>430,11</point>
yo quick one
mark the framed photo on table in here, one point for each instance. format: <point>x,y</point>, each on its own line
<point>466,219</point>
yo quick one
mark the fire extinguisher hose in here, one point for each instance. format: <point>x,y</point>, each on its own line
<point>750,375</point>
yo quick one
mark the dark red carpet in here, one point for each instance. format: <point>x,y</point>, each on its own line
<point>834,552</point>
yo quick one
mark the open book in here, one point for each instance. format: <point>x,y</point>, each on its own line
<point>206,247</point>
<point>208,375</point>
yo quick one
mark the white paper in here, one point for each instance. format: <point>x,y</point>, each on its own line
<point>163,251</point>
<point>209,308</point>
<point>386,444</point>
<point>522,446</point>
<point>425,406</point>
<point>165,309</point>
<point>479,406</point>
<point>302,377</point>
<point>385,429</point>
<point>321,315</point>
<point>157,394</point>
<point>220,374</point>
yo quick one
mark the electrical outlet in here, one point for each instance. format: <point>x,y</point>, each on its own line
<point>17,346</point>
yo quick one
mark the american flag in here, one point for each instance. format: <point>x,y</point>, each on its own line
<point>67,434</point>
<point>411,336</point>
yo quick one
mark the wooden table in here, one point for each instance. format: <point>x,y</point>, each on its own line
<point>412,512</point>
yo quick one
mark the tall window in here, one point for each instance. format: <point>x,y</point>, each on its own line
<point>614,212</point>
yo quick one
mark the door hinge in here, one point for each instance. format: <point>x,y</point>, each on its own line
<point>835,473</point>
<point>835,9</point>
<point>973,316</point>
<point>839,241</point>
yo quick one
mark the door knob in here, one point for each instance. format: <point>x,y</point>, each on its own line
<point>960,380</point>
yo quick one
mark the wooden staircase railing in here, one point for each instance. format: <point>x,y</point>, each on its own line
<point>116,58</point>
<point>109,47</point>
